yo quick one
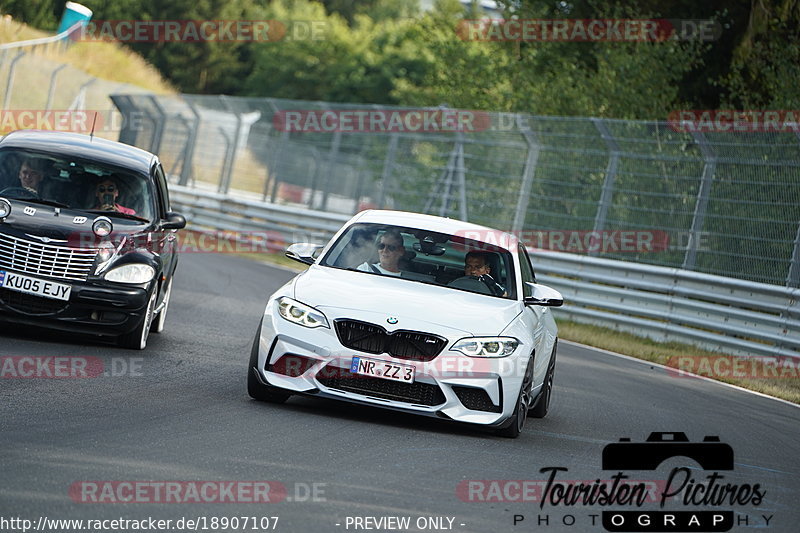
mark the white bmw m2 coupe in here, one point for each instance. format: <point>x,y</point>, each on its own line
<point>415,313</point>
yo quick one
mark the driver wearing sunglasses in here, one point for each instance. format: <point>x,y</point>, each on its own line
<point>106,193</point>
<point>390,252</point>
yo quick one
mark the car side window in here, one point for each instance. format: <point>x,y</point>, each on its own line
<point>526,270</point>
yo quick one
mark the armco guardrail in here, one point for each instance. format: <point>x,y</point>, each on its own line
<point>224,212</point>
<point>669,304</point>
<point>666,304</point>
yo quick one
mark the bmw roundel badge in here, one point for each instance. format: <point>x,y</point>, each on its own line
<point>392,320</point>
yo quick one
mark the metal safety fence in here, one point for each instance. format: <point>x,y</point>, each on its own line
<point>39,87</point>
<point>665,304</point>
<point>725,203</point>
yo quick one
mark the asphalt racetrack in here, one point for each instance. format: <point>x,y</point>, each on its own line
<point>179,413</point>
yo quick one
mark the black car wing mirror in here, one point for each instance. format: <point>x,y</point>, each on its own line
<point>173,221</point>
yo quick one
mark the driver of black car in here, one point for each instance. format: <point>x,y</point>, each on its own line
<point>31,174</point>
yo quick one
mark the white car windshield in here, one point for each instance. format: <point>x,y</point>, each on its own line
<point>423,256</point>
<point>75,184</point>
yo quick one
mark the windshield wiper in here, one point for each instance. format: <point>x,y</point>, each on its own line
<point>118,214</point>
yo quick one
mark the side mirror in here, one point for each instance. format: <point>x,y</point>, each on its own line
<point>304,252</point>
<point>543,295</point>
<point>173,221</point>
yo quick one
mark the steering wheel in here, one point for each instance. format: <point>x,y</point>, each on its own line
<point>471,283</point>
<point>22,192</point>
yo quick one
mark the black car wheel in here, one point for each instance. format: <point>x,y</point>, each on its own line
<point>543,402</point>
<point>255,387</point>
<point>161,317</point>
<point>520,413</point>
<point>137,339</point>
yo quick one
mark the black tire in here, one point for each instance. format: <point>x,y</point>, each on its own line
<point>543,401</point>
<point>160,319</point>
<point>520,413</point>
<point>137,339</point>
<point>255,388</point>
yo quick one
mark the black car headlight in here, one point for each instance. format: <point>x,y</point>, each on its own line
<point>102,226</point>
<point>301,314</point>
<point>486,346</point>
<point>134,273</point>
<point>5,208</point>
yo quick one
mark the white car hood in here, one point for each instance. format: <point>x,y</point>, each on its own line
<point>417,306</point>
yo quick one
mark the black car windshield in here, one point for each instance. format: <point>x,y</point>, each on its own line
<point>426,257</point>
<point>72,183</point>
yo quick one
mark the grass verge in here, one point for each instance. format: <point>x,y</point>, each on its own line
<point>780,379</point>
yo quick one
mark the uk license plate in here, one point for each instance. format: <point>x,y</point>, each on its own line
<point>382,369</point>
<point>39,287</point>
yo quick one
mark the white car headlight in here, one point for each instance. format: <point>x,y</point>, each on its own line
<point>131,273</point>
<point>302,314</point>
<point>486,346</point>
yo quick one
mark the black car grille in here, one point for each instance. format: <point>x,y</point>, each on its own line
<point>31,305</point>
<point>475,399</point>
<point>416,393</point>
<point>51,261</point>
<point>371,338</point>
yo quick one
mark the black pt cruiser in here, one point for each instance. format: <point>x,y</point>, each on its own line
<point>87,237</point>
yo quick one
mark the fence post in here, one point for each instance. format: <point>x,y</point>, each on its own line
<point>227,155</point>
<point>333,155</point>
<point>271,183</point>
<point>313,189</point>
<point>388,167</point>
<point>444,184</point>
<point>182,157</point>
<point>608,182</point>
<point>272,164</point>
<point>793,279</point>
<point>230,158</point>
<point>51,92</point>
<point>701,204</point>
<point>191,142</point>
<point>158,126</point>
<point>359,188</point>
<point>461,178</point>
<point>10,82</point>
<point>528,173</point>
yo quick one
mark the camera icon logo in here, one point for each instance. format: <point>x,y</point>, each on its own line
<point>710,454</point>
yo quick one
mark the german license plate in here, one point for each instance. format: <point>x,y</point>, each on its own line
<point>382,369</point>
<point>39,287</point>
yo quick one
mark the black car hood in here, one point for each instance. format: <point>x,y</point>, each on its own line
<point>62,226</point>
